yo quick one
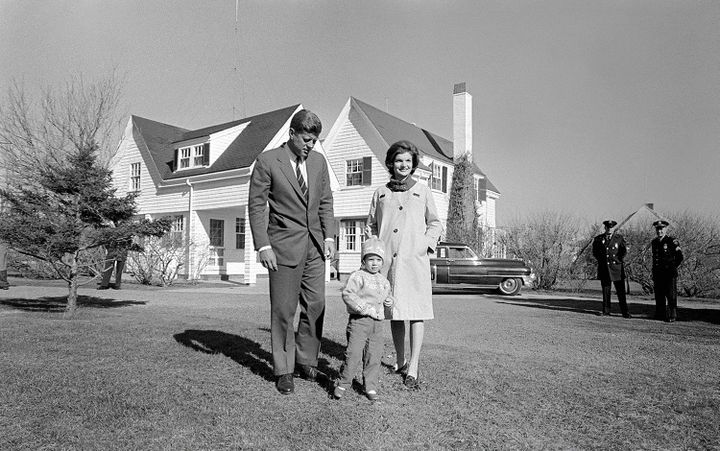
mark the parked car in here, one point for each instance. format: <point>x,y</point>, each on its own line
<point>455,265</point>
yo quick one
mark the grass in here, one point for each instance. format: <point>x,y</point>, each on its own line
<point>189,368</point>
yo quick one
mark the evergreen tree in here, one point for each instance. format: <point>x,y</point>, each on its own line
<point>67,213</point>
<point>462,221</point>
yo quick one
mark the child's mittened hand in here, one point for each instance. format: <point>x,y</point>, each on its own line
<point>389,301</point>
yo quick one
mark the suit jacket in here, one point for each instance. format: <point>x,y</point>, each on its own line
<point>610,255</point>
<point>279,214</point>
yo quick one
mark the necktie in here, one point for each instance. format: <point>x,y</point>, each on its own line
<point>301,179</point>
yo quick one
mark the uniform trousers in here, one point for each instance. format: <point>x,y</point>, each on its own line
<point>365,345</point>
<point>303,284</point>
<point>665,289</point>
<point>619,289</point>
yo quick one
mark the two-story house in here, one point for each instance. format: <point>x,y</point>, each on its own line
<point>201,177</point>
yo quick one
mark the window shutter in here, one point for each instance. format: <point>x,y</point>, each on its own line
<point>367,171</point>
<point>175,161</point>
<point>206,154</point>
<point>444,179</point>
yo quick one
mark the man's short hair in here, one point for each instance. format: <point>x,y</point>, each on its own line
<point>306,121</point>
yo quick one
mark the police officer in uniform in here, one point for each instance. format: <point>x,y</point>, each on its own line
<point>667,256</point>
<point>609,250</point>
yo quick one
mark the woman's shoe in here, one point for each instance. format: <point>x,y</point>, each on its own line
<point>372,395</point>
<point>403,370</point>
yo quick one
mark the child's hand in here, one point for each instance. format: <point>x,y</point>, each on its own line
<point>374,314</point>
<point>389,301</point>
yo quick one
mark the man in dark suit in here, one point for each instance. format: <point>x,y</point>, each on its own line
<point>609,250</point>
<point>667,256</point>
<point>290,207</point>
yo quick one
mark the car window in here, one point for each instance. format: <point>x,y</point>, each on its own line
<point>442,252</point>
<point>461,253</point>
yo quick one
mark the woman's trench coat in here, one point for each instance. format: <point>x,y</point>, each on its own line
<point>409,225</point>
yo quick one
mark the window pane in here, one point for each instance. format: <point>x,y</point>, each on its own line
<point>217,232</point>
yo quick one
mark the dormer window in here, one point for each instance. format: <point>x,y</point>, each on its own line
<point>196,156</point>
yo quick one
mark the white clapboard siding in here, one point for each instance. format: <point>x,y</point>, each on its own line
<point>353,201</point>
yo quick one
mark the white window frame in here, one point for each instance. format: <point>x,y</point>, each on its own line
<point>134,177</point>
<point>240,233</point>
<point>177,228</point>
<point>216,251</point>
<point>353,231</point>
<point>436,181</point>
<point>191,157</point>
<point>354,172</point>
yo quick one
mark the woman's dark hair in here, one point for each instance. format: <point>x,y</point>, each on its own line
<point>306,121</point>
<point>398,148</point>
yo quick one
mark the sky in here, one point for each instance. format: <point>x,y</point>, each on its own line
<point>586,108</point>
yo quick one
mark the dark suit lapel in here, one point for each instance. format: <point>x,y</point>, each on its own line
<point>287,170</point>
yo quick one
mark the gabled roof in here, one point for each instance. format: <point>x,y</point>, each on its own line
<point>393,129</point>
<point>161,140</point>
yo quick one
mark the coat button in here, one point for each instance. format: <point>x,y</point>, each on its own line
<point>395,254</point>
<point>400,207</point>
<point>395,230</point>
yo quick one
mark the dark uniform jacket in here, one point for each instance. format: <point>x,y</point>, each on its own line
<point>610,254</point>
<point>667,256</point>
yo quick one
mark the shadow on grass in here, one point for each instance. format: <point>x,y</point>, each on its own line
<point>59,303</point>
<point>591,307</point>
<point>244,351</point>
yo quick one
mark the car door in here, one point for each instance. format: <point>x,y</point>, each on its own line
<point>464,266</point>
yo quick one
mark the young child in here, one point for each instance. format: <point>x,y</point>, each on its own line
<point>366,294</point>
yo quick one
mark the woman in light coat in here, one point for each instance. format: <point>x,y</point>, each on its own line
<point>403,215</point>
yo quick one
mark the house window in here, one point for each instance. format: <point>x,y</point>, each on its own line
<point>176,228</point>
<point>184,158</point>
<point>358,172</point>
<point>217,243</point>
<point>239,233</point>
<point>438,180</point>
<point>134,176</point>
<point>199,153</point>
<point>477,190</point>
<point>354,231</point>
<point>193,156</point>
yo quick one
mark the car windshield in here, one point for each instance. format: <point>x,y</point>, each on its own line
<point>458,253</point>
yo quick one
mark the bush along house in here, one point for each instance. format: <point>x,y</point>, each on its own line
<point>356,146</point>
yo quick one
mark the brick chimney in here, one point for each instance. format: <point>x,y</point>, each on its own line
<point>462,121</point>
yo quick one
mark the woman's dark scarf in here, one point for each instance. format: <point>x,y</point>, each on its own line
<point>399,186</point>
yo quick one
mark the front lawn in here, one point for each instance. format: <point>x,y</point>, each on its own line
<point>189,368</point>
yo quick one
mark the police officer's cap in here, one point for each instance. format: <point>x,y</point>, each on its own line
<point>660,224</point>
<point>609,223</point>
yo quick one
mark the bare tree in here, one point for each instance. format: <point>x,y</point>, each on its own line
<point>37,133</point>
<point>548,241</point>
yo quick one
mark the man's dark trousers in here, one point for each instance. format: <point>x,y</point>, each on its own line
<point>665,287</point>
<point>290,285</point>
<point>619,289</point>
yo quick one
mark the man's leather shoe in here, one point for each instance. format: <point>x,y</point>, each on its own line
<point>103,288</point>
<point>285,384</point>
<point>309,373</point>
<point>627,315</point>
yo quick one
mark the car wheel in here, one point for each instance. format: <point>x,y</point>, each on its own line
<point>509,287</point>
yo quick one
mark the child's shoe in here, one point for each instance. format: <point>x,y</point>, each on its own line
<point>338,392</point>
<point>372,395</point>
